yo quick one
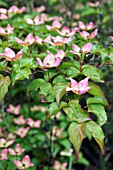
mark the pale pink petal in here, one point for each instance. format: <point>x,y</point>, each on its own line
<point>67,40</point>
<point>30,39</point>
<point>2,31</point>
<point>40,62</point>
<point>49,59</point>
<point>94,33</point>
<point>9,52</point>
<point>29,21</point>
<point>57,62</point>
<point>13,9</point>
<point>21,10</point>
<point>87,47</point>
<point>76,48</point>
<point>60,54</point>
<point>65,30</point>
<point>90,26</point>
<point>83,91</point>
<point>111,37</point>
<point>11,151</point>
<point>3,16</point>
<point>84,83</point>
<point>81,25</point>
<point>48,27</point>
<point>9,29</point>
<point>38,40</point>
<point>37,124</point>
<point>19,41</point>
<point>18,163</point>
<point>84,34</point>
<point>26,160</point>
<point>56,24</point>
<point>3,10</point>
<point>73,83</point>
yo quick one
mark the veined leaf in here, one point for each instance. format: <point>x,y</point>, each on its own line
<point>96,132</point>
<point>75,112</point>
<point>4,83</point>
<point>76,135</point>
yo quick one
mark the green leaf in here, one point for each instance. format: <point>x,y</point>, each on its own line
<point>95,90</point>
<point>73,72</point>
<point>35,84</point>
<point>54,108</point>
<point>4,83</point>
<point>11,166</point>
<point>49,74</point>
<point>59,78</point>
<point>59,90</point>
<point>3,65</point>
<point>96,132</point>
<point>99,111</point>
<point>20,74</point>
<point>76,135</point>
<point>93,73</point>
<point>47,90</point>
<point>75,112</point>
<point>96,99</point>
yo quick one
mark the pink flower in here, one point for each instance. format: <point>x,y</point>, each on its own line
<point>57,132</point>
<point>58,166</point>
<point>3,10</point>
<point>25,163</point>
<point>59,41</point>
<point>79,87</point>
<point>32,123</point>
<point>5,143</point>
<point>35,21</point>
<point>3,154</point>
<point>29,40</point>
<point>40,9</point>
<point>89,26</point>
<point>10,55</point>
<point>91,4</point>
<point>111,37</point>
<point>13,109</point>
<point>20,120</point>
<point>3,17</point>
<point>86,35</point>
<point>49,61</point>
<point>43,17</point>
<point>17,150</point>
<point>55,25</point>
<point>22,132</point>
<point>15,9</point>
<point>85,49</point>
<point>65,31</point>
<point>7,31</point>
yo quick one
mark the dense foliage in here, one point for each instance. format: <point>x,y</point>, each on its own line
<point>51,85</point>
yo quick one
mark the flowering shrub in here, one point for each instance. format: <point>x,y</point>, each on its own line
<point>63,80</point>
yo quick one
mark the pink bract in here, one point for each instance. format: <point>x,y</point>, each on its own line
<point>17,150</point>
<point>65,31</point>
<point>13,109</point>
<point>25,163</point>
<point>89,26</point>
<point>3,154</point>
<point>10,55</point>
<point>55,25</point>
<point>49,61</point>
<point>85,49</point>
<point>79,87</point>
<point>86,35</point>
<point>29,40</point>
